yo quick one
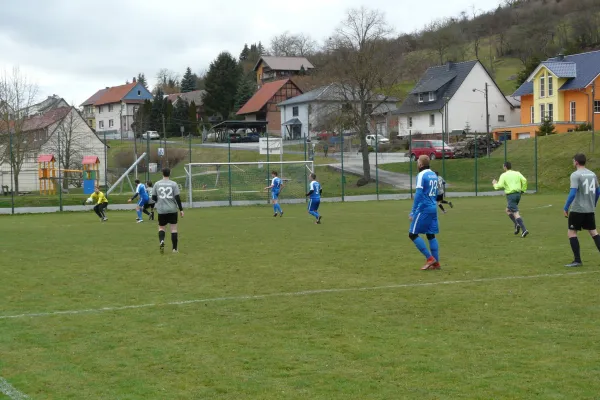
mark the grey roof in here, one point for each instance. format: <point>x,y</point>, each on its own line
<point>433,83</point>
<point>292,122</point>
<point>285,63</point>
<point>514,101</point>
<point>562,69</point>
<point>437,74</point>
<point>197,96</point>
<point>331,92</point>
<point>587,68</point>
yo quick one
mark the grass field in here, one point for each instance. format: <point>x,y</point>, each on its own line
<point>256,307</point>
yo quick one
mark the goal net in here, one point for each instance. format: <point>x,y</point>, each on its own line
<point>245,182</point>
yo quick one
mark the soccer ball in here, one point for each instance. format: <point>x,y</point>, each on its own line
<point>89,201</point>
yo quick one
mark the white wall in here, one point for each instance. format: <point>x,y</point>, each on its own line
<point>468,106</point>
<point>287,113</point>
<point>119,111</point>
<point>420,123</point>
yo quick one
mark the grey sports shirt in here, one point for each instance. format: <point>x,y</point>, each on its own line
<point>165,191</point>
<point>586,182</point>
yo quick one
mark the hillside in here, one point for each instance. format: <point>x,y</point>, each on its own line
<point>554,163</point>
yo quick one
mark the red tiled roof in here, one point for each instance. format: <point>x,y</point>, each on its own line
<point>87,160</point>
<point>261,97</point>
<point>114,94</point>
<point>46,158</point>
<point>94,98</point>
<point>46,119</point>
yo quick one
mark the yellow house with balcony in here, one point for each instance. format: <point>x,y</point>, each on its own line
<point>561,89</point>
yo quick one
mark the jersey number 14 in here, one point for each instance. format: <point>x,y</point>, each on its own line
<point>590,186</point>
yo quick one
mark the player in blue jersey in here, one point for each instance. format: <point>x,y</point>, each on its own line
<point>140,190</point>
<point>276,188</point>
<point>314,196</point>
<point>423,215</point>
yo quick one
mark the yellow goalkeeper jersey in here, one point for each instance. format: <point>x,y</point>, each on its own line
<point>99,198</point>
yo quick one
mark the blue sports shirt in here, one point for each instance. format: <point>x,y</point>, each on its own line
<point>141,191</point>
<point>276,183</point>
<point>426,194</point>
<point>315,190</point>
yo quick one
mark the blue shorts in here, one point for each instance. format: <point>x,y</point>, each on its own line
<point>143,201</point>
<point>274,195</point>
<point>424,224</point>
<point>313,205</point>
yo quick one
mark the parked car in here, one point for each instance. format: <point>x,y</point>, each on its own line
<point>431,148</point>
<point>152,135</point>
<point>373,140</point>
<point>251,137</point>
<point>235,138</point>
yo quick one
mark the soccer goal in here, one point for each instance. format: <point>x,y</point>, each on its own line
<point>240,183</point>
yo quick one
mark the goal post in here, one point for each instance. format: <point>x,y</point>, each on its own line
<point>241,183</point>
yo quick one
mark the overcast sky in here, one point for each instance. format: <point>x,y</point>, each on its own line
<point>73,48</point>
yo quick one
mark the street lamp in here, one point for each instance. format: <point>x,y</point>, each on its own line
<point>487,116</point>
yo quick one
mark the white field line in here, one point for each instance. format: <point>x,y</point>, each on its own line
<point>286,294</point>
<point>8,390</point>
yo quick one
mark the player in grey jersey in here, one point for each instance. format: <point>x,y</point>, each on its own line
<point>165,193</point>
<point>581,206</point>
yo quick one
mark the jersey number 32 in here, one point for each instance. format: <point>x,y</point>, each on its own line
<point>165,193</point>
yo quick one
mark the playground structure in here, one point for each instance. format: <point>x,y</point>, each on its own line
<point>48,174</point>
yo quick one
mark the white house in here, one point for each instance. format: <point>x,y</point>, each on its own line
<point>41,134</point>
<point>48,104</point>
<point>322,109</point>
<point>463,87</point>
<point>112,109</point>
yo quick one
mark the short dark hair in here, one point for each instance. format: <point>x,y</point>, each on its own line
<point>580,159</point>
<point>507,165</point>
<point>149,183</point>
<point>137,181</point>
<point>166,172</point>
<point>313,176</point>
<point>274,173</point>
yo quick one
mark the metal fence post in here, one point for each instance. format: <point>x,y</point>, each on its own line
<point>505,149</point>
<point>342,154</point>
<point>60,205</point>
<point>147,156</point>
<point>535,160</point>
<point>229,165</point>
<point>476,161</point>
<point>12,175</point>
<point>305,174</point>
<point>376,165</point>
<point>410,162</point>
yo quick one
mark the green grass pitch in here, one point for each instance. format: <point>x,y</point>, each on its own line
<point>256,307</point>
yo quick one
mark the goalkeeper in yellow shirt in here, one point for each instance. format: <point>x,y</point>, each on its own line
<point>101,203</point>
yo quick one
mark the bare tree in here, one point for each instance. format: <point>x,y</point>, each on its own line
<point>167,81</point>
<point>292,45</point>
<point>17,95</point>
<point>363,64</point>
<point>70,144</point>
<point>440,36</point>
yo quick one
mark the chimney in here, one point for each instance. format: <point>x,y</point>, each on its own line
<point>134,80</point>
<point>107,88</point>
<point>448,65</point>
<point>561,57</point>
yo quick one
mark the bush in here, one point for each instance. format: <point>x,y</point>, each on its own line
<point>583,128</point>
<point>174,156</point>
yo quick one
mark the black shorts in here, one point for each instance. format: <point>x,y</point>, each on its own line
<point>165,219</point>
<point>440,197</point>
<point>579,221</point>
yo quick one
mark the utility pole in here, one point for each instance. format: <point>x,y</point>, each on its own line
<point>487,120</point>
<point>593,114</point>
<point>165,137</point>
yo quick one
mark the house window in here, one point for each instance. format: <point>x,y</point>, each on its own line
<point>90,123</point>
<point>532,114</point>
<point>101,124</point>
<point>550,86</point>
<point>551,112</point>
<point>369,108</point>
<point>542,86</point>
<point>597,106</point>
<point>500,118</point>
<point>431,96</point>
<point>139,92</point>
<point>111,123</point>
<point>294,111</point>
<point>573,113</point>
<point>431,119</point>
<point>110,108</point>
<point>421,97</point>
<point>542,112</point>
<point>410,122</point>
<point>100,110</point>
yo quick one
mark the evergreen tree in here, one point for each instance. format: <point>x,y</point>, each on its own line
<point>546,128</point>
<point>188,83</point>
<point>245,90</point>
<point>527,70</point>
<point>245,53</point>
<point>260,49</point>
<point>141,78</point>
<point>180,115</point>
<point>141,119</point>
<point>221,85</point>
<point>157,111</point>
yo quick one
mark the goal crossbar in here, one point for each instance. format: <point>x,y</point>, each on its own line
<point>250,163</point>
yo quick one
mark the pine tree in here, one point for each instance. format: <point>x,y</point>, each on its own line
<point>221,85</point>
<point>546,128</point>
<point>245,90</point>
<point>157,111</point>
<point>188,83</point>
<point>245,53</point>
<point>260,49</point>
<point>141,78</point>
<point>180,115</point>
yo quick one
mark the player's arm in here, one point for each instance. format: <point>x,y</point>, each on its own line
<point>154,195</point>
<point>500,183</point>
<point>178,199</point>
<point>311,189</point>
<point>572,193</point>
<point>523,183</point>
